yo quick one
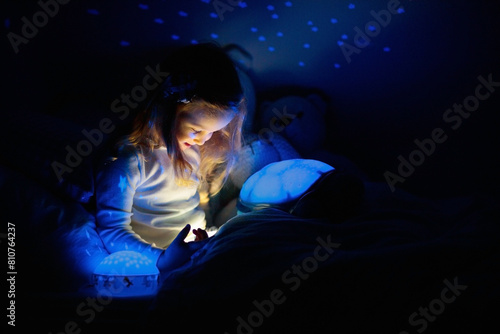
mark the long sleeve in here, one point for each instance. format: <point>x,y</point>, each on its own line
<point>116,185</point>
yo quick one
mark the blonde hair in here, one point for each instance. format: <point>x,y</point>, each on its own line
<point>201,76</point>
<point>217,156</point>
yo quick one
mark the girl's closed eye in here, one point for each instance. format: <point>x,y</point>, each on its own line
<point>195,131</point>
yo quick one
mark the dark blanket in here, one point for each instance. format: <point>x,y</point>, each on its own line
<point>402,265</point>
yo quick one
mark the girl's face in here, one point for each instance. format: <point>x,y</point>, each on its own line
<point>195,126</point>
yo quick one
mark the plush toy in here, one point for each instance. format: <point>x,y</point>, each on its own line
<point>303,187</point>
<point>257,153</point>
<point>279,184</point>
<point>301,120</point>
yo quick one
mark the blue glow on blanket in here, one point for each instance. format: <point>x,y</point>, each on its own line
<point>281,182</point>
<point>125,274</point>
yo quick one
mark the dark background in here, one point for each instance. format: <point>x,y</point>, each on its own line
<point>394,91</point>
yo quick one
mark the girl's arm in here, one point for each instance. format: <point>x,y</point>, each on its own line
<point>116,183</point>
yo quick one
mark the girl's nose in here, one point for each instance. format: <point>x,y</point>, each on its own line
<point>200,140</point>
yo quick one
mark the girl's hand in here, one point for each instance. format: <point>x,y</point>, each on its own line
<point>200,234</point>
<point>179,251</point>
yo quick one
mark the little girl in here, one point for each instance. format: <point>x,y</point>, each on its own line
<point>182,146</point>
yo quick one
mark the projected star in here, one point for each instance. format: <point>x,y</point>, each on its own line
<point>123,183</point>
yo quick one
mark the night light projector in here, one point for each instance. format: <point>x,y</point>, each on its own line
<point>126,274</point>
<point>280,184</point>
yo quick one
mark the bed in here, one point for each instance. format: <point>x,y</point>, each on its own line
<point>401,264</point>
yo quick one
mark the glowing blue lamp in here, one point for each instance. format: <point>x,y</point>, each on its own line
<point>280,184</point>
<point>126,274</point>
